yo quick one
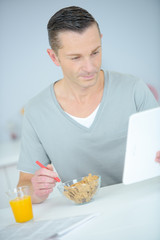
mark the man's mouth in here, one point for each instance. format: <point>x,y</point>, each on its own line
<point>88,76</point>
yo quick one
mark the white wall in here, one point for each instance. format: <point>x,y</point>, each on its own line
<point>131,37</point>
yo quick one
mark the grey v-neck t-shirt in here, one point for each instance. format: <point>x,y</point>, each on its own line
<point>49,135</point>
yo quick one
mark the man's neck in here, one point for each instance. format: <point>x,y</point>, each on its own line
<point>78,93</point>
<point>79,101</point>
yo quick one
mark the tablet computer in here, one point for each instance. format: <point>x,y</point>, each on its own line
<point>143,141</point>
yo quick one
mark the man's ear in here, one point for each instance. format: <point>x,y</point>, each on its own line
<point>53,56</point>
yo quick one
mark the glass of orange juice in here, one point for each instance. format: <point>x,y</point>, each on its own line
<point>20,202</point>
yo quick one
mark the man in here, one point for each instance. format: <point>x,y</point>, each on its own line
<point>79,123</point>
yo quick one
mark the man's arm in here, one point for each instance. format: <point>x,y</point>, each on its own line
<point>41,183</point>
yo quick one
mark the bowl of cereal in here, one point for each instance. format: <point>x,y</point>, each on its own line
<point>81,190</point>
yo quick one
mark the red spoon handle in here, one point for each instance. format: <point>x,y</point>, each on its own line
<point>42,166</point>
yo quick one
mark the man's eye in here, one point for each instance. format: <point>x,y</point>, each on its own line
<point>74,58</point>
<point>94,53</point>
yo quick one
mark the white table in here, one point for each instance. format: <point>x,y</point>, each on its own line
<point>129,212</point>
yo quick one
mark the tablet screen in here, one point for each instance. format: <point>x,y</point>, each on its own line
<point>143,141</point>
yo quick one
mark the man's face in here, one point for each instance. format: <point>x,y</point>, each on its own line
<point>80,56</point>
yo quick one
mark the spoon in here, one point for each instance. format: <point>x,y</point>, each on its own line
<point>42,166</point>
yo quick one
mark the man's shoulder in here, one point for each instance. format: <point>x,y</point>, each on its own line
<point>39,99</point>
<point>117,76</point>
<point>122,81</point>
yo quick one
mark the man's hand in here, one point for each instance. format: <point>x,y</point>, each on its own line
<point>157,159</point>
<point>43,183</point>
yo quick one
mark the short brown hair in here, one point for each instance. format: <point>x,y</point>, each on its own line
<point>68,19</point>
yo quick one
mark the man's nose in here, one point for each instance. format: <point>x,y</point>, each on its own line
<point>88,66</point>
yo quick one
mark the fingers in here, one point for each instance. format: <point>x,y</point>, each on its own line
<point>43,181</point>
<point>158,154</point>
<point>50,167</point>
<point>47,172</point>
<point>157,159</point>
<point>43,193</point>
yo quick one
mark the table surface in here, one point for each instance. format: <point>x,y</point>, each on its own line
<point>128,212</point>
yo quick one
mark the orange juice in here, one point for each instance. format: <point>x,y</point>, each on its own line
<point>22,209</point>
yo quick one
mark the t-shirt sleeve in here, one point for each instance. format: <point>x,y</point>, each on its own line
<point>143,97</point>
<point>31,149</point>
